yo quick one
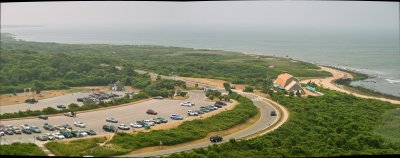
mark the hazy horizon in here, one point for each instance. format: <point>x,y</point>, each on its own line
<point>373,16</point>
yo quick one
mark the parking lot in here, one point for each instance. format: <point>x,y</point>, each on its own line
<point>49,102</point>
<point>126,115</point>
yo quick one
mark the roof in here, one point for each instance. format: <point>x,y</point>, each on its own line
<point>290,85</point>
<point>282,78</point>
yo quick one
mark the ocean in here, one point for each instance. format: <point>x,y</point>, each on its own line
<point>372,52</point>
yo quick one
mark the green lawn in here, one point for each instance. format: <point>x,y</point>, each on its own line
<point>21,149</point>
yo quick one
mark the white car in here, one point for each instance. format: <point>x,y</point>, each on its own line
<point>2,133</point>
<point>192,113</point>
<point>79,124</point>
<point>187,103</point>
<point>50,136</point>
<point>68,114</point>
<point>58,136</point>
<point>123,127</point>
<point>151,123</point>
<point>25,126</point>
<point>136,125</point>
<point>83,134</point>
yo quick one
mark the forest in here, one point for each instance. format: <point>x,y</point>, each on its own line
<point>335,124</point>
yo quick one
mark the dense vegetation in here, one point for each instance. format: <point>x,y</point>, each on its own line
<point>59,66</point>
<point>21,149</point>
<point>123,143</point>
<point>335,124</point>
<point>390,126</point>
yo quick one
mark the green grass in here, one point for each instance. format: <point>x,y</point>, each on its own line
<point>21,149</point>
<point>389,129</point>
<point>73,148</point>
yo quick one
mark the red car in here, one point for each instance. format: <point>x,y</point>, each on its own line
<point>151,112</point>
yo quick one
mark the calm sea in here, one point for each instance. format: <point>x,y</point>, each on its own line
<point>376,53</point>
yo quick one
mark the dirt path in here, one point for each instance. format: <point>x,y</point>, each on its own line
<point>329,83</point>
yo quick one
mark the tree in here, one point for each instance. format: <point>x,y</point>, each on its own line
<point>220,97</point>
<point>37,85</point>
<point>298,93</point>
<point>248,89</point>
<point>227,86</point>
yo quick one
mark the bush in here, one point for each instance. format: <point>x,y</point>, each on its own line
<point>21,149</point>
<point>248,89</point>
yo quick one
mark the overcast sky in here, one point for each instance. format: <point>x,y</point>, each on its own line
<point>369,15</point>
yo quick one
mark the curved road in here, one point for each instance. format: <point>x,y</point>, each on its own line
<point>265,124</point>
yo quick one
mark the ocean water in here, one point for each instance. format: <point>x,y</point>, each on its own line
<point>373,52</point>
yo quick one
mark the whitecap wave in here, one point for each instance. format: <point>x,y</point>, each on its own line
<point>392,81</point>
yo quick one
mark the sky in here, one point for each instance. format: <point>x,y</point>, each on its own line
<point>326,14</point>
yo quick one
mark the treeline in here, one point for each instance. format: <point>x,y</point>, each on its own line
<point>335,124</point>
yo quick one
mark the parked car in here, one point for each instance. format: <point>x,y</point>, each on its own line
<point>192,113</point>
<point>8,131</point>
<point>149,122</point>
<point>43,117</point>
<point>123,127</point>
<point>158,97</point>
<point>214,107</point>
<point>176,117</point>
<point>136,125</point>
<point>220,103</point>
<point>156,121</point>
<point>91,132</point>
<point>61,106</point>
<point>31,101</point>
<point>16,130</point>
<point>26,131</point>
<point>79,124</point>
<point>35,129</point>
<point>82,133</point>
<point>50,136</point>
<point>199,112</point>
<point>218,106</point>
<point>42,138</point>
<point>204,110</point>
<point>25,126</point>
<point>66,134</point>
<point>111,119</point>
<point>63,127</point>
<point>273,113</point>
<point>48,127</point>
<point>58,136</point>
<point>80,100</point>
<point>162,120</point>
<point>151,112</point>
<point>187,103</point>
<point>2,133</point>
<point>216,139</point>
<point>109,128</point>
<point>70,114</point>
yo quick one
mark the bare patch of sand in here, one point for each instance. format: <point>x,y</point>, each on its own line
<point>213,82</point>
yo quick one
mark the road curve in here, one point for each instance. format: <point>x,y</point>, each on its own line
<point>265,124</point>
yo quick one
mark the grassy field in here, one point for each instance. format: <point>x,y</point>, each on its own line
<point>73,148</point>
<point>21,149</point>
<point>390,128</point>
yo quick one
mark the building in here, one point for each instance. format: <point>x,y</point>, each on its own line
<point>117,86</point>
<point>287,82</point>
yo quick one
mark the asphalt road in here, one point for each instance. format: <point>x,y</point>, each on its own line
<point>125,114</point>
<point>49,102</point>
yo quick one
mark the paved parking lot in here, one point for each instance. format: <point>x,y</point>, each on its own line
<point>49,102</point>
<point>126,114</point>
